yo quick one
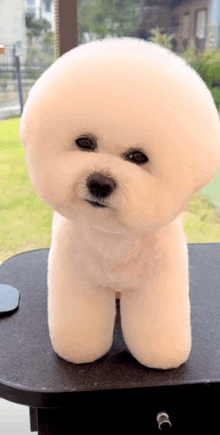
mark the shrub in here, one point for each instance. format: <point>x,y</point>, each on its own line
<point>204,71</point>
<point>161,38</point>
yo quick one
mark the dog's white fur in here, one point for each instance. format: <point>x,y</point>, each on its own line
<point>122,93</point>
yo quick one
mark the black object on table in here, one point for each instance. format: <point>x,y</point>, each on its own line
<point>9,300</point>
<point>115,394</point>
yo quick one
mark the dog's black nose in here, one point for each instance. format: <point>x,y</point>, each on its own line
<point>100,186</point>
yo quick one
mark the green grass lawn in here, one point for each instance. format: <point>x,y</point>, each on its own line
<point>25,220</point>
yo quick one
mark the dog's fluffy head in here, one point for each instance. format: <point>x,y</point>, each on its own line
<point>120,133</point>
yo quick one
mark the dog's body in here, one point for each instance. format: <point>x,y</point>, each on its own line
<point>150,271</point>
<point>118,146</point>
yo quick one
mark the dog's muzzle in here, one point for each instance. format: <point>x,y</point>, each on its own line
<point>100,187</point>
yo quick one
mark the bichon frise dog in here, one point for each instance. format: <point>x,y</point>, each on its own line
<point>120,133</point>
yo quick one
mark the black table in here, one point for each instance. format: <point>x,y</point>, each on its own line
<point>115,394</point>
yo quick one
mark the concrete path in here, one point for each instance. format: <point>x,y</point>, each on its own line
<point>14,419</point>
<point>10,108</point>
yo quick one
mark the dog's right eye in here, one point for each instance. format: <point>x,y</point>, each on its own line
<point>85,143</point>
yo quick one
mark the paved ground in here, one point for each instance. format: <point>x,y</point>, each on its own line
<point>14,419</point>
<point>10,108</point>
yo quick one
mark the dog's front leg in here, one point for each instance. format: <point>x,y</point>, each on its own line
<point>156,317</point>
<point>81,316</point>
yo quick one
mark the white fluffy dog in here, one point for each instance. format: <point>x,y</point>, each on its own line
<point>119,135</point>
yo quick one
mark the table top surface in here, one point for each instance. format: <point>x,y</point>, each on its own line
<point>30,369</point>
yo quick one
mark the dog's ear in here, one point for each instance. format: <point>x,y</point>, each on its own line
<point>26,131</point>
<point>205,148</point>
<point>22,134</point>
<point>22,142</point>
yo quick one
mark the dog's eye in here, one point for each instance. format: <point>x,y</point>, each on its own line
<point>137,157</point>
<point>85,143</point>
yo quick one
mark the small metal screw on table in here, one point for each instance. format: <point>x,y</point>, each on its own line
<point>163,421</point>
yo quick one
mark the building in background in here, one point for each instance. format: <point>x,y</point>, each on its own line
<point>12,24</point>
<point>12,28</point>
<point>187,19</point>
<point>41,9</point>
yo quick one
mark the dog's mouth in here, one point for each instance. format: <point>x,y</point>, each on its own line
<point>96,204</point>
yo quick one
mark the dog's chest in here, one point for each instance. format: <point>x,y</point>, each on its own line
<point>115,262</point>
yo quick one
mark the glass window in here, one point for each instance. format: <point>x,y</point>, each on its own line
<point>186,19</point>
<point>47,5</point>
<point>31,10</point>
<point>175,21</point>
<point>200,24</point>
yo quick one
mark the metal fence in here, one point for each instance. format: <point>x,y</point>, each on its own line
<point>18,74</point>
<point>16,80</point>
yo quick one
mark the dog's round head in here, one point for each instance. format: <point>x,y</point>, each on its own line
<point>120,133</point>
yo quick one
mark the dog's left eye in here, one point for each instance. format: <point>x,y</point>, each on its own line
<point>137,157</point>
<point>85,143</point>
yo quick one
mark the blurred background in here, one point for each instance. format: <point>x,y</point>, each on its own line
<point>29,44</point>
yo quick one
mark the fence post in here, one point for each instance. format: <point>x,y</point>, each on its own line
<point>17,60</point>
